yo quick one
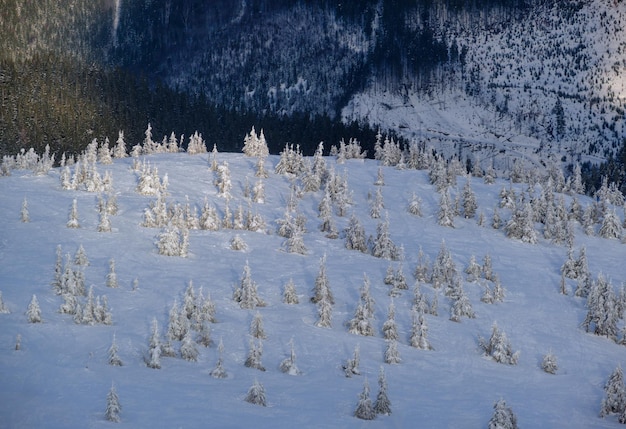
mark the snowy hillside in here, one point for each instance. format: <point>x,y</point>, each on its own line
<point>60,376</point>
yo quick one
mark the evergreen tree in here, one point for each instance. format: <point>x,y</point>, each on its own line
<point>503,416</point>
<point>111,280</point>
<point>288,366</point>
<point>153,359</point>
<point>219,371</point>
<point>392,356</point>
<point>255,353</point>
<point>321,288</point>
<point>614,401</point>
<point>114,359</point>
<point>188,348</point>
<point>237,243</point>
<point>34,312</point>
<point>73,217</point>
<point>445,216</point>
<point>419,332</point>
<point>548,364</point>
<point>365,409</point>
<point>351,367</point>
<point>204,334</point>
<point>113,408</point>
<point>611,226</point>
<point>469,199</point>
<point>383,247</point>
<point>256,394</point>
<point>256,327</point>
<point>498,347</point>
<point>289,294</point>
<point>602,309</point>
<point>246,294</point>
<point>355,235</point>
<point>415,205</point>
<point>473,270</point>
<point>377,204</point>
<point>24,215</point>
<point>3,308</point>
<point>382,405</point>
<point>390,329</point>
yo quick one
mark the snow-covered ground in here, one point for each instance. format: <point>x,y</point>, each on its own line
<point>60,377</point>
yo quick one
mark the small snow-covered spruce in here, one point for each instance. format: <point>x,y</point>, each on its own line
<point>153,360</point>
<point>188,348</point>
<point>113,409</point>
<point>246,294</point>
<point>237,243</point>
<point>255,353</point>
<point>614,401</point>
<point>498,347</point>
<point>382,405</point>
<point>390,329</point>
<point>3,308</point>
<point>549,364</point>
<point>602,309</point>
<point>496,220</point>
<point>325,309</point>
<point>204,334</point>
<point>392,355</point>
<point>114,358</point>
<point>365,409</point>
<point>33,313</point>
<point>445,216</point>
<point>73,217</point>
<point>256,327</point>
<point>256,394</point>
<point>377,204</point>
<point>289,294</point>
<point>288,366</point>
<point>80,258</point>
<point>18,342</point>
<point>419,332</point>
<point>355,235</point>
<point>380,177</point>
<point>469,199</point>
<point>421,272</point>
<point>487,296</point>
<point>473,270</point>
<point>321,288</point>
<point>351,367</point>
<point>487,268</point>
<point>24,215</point>
<point>219,371</point>
<point>415,206</point>
<point>111,280</point>
<point>503,417</point>
<point>383,247</point>
<point>611,226</point>
<point>461,305</point>
<point>295,242</point>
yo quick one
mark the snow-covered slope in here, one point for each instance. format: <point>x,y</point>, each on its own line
<point>60,376</point>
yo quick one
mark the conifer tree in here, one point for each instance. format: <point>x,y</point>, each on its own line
<point>219,371</point>
<point>322,288</point>
<point>288,365</point>
<point>153,360</point>
<point>24,215</point>
<point>469,199</point>
<point>390,329</point>
<point>246,294</point>
<point>503,417</point>
<point>188,348</point>
<point>114,358</point>
<point>237,243</point>
<point>256,327</point>
<point>256,394</point>
<point>73,217</point>
<point>290,295</point>
<point>445,216</point>
<point>111,280</point>
<point>548,364</point>
<point>255,353</point>
<point>3,308</point>
<point>415,205</point>
<point>498,347</point>
<point>473,270</point>
<point>392,356</point>
<point>355,235</point>
<point>351,367</point>
<point>611,226</point>
<point>614,401</point>
<point>34,312</point>
<point>377,204</point>
<point>113,409</point>
<point>325,309</point>
<point>419,332</point>
<point>383,247</point>
<point>365,409</point>
<point>382,405</point>
<point>602,309</point>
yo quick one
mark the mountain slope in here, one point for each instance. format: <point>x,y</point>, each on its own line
<point>60,376</point>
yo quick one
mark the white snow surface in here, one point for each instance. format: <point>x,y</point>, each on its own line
<point>60,377</point>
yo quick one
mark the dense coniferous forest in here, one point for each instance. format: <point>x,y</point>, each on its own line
<point>72,71</point>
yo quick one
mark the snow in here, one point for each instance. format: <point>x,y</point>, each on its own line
<point>60,377</point>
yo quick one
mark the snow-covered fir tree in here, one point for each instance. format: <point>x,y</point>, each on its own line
<point>419,332</point>
<point>24,214</point>
<point>237,243</point>
<point>365,408</point>
<point>255,354</point>
<point>219,371</point>
<point>382,405</point>
<point>188,348</point>
<point>33,312</point>
<point>119,150</point>
<point>473,270</point>
<point>521,226</point>
<point>614,401</point>
<point>113,408</point>
<point>256,327</point>
<point>377,204</point>
<point>392,355</point>
<point>256,394</point>
<point>321,289</point>
<point>415,205</point>
<point>611,226</point>
<point>602,309</point>
<point>104,225</point>
<point>246,294</point>
<point>503,416</point>
<point>73,217</point>
<point>290,295</point>
<point>549,364</point>
<point>351,367</point>
<point>498,347</point>
<point>153,359</point>
<point>390,328</point>
<point>383,247</point>
<point>114,358</point>
<point>288,365</point>
<point>355,238</point>
<point>469,199</point>
<point>3,307</point>
<point>380,177</point>
<point>445,216</point>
